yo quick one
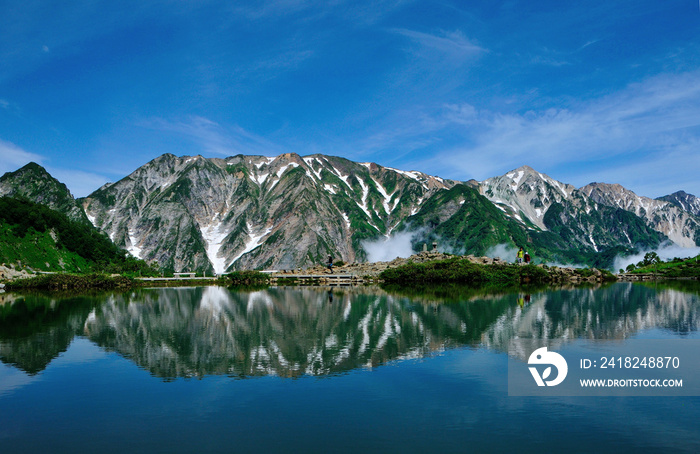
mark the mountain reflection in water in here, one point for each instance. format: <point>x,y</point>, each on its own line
<point>289,332</point>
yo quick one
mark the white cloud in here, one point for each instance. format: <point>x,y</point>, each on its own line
<point>211,137</point>
<point>646,122</point>
<point>451,44</point>
<point>504,251</point>
<point>13,157</point>
<point>387,249</point>
<point>79,183</point>
<point>665,252</point>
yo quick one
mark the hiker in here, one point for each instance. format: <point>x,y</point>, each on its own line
<point>520,254</point>
<point>330,263</point>
<point>527,258</point>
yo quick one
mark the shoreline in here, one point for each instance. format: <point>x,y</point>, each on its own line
<point>346,274</point>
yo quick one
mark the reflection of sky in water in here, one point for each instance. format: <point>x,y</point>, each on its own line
<point>105,392</point>
<point>12,379</point>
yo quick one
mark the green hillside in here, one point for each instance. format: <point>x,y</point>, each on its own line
<point>677,267</point>
<point>463,221</point>
<point>35,236</point>
<point>36,184</point>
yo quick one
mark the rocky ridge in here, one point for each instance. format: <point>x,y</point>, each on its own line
<point>683,200</point>
<point>255,212</point>
<point>681,227</point>
<point>252,212</point>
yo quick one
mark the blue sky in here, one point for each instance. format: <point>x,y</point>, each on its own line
<point>582,91</point>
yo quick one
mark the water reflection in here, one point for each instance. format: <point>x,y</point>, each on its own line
<point>193,332</point>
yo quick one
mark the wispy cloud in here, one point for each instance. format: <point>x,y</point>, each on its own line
<point>452,45</point>
<point>211,137</point>
<point>308,10</point>
<point>13,157</point>
<point>643,123</point>
<point>79,183</point>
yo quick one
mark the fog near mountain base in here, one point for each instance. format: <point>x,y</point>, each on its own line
<point>507,252</point>
<point>388,248</point>
<point>665,252</point>
<point>504,251</point>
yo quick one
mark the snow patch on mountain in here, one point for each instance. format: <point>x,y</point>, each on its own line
<point>385,195</point>
<point>260,179</point>
<point>678,225</point>
<point>526,191</point>
<point>254,240</point>
<point>284,168</point>
<point>132,247</point>
<point>365,193</point>
<point>214,236</point>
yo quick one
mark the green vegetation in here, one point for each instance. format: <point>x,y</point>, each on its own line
<point>71,282</point>
<point>458,270</point>
<point>34,182</point>
<point>674,268</point>
<point>41,238</point>
<point>248,278</point>
<point>478,225</point>
<point>456,293</point>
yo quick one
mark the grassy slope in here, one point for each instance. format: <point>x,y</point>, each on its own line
<point>36,236</point>
<point>673,268</point>
<point>37,250</point>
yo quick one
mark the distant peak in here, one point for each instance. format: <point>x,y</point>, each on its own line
<point>681,194</point>
<point>33,167</point>
<point>607,186</point>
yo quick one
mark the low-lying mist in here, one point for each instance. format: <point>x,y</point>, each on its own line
<point>665,252</point>
<point>388,248</point>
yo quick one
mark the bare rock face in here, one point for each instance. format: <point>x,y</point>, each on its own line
<point>524,192</point>
<point>683,200</point>
<point>254,212</point>
<point>678,225</point>
<point>540,203</point>
<point>8,273</point>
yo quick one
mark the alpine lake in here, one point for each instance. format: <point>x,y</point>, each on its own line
<point>328,369</point>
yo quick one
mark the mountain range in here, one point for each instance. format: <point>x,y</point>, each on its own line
<point>213,215</point>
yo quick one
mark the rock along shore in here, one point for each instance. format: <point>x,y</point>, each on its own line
<point>374,269</point>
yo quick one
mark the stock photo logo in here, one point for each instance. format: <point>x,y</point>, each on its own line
<point>542,357</point>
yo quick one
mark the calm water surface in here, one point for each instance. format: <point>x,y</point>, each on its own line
<point>318,370</point>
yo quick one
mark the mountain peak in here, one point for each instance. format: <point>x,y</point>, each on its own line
<point>32,167</point>
<point>35,183</point>
<point>525,191</point>
<point>664,216</point>
<point>683,200</point>
<point>525,168</point>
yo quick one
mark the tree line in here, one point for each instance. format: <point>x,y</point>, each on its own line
<point>24,216</point>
